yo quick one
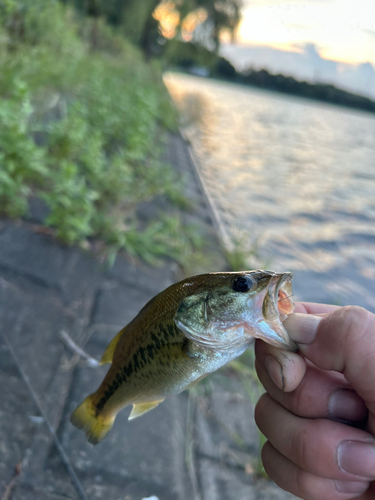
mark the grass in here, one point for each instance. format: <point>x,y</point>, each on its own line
<point>243,256</point>
<point>83,129</point>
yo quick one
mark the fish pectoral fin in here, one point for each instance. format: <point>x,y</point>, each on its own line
<point>192,350</point>
<point>141,408</point>
<point>108,353</point>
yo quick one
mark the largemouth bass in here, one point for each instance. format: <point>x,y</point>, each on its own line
<point>181,335</point>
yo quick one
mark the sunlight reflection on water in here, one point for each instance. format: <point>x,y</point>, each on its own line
<point>296,176</point>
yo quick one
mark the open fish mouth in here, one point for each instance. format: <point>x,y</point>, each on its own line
<point>277,305</point>
<point>283,295</point>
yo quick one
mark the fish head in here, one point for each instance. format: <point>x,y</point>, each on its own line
<point>230,310</point>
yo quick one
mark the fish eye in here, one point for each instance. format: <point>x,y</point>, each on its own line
<point>242,284</point>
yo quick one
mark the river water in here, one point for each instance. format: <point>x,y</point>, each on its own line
<point>291,177</point>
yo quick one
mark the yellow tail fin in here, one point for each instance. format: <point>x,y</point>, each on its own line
<point>86,417</point>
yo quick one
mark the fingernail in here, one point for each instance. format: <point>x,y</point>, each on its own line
<point>357,458</point>
<point>351,486</point>
<point>345,404</point>
<point>302,328</point>
<point>275,371</point>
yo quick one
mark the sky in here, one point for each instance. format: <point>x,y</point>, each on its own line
<point>317,40</point>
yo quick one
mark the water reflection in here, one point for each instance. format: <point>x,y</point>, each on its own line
<point>296,176</point>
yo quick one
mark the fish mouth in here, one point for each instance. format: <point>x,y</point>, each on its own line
<point>282,294</point>
<point>277,305</point>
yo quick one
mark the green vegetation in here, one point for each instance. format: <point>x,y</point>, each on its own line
<point>140,20</point>
<point>242,255</point>
<point>83,130</point>
<point>83,118</point>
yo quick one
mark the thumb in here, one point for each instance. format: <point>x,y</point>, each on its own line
<point>343,341</point>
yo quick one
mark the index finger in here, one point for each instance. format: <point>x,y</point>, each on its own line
<point>314,308</point>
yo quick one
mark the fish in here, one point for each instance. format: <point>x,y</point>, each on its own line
<point>189,330</point>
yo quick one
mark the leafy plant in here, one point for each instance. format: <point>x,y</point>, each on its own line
<point>72,204</point>
<point>84,131</point>
<point>22,162</point>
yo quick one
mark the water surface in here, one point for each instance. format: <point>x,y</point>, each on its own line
<point>294,177</point>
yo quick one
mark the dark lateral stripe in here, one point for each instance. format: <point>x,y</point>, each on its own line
<point>120,377</point>
<point>136,362</point>
<point>142,353</point>
<point>128,370</point>
<point>163,335</point>
<point>168,332</point>
<point>151,351</point>
<point>156,341</point>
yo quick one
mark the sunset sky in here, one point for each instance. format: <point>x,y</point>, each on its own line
<point>330,41</point>
<point>343,30</point>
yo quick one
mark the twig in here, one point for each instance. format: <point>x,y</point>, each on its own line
<point>64,458</point>
<point>92,362</point>
<point>8,489</point>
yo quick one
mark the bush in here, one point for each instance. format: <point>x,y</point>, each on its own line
<point>22,162</point>
<point>82,129</point>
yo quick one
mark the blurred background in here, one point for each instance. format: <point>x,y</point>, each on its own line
<point>141,142</point>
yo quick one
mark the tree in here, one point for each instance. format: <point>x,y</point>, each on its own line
<point>144,22</point>
<point>201,20</point>
<point>221,15</point>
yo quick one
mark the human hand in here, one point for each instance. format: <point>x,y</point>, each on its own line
<point>319,410</point>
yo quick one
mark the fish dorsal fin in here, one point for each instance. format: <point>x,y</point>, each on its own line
<point>111,347</point>
<point>141,408</point>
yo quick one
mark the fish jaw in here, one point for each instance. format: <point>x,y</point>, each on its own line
<point>274,333</point>
<point>271,308</point>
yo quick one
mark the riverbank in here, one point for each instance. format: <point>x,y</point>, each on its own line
<point>201,445</point>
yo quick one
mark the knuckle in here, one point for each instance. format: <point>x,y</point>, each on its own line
<point>357,332</point>
<point>260,411</point>
<point>300,449</point>
<point>355,320</point>
<point>308,444</point>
